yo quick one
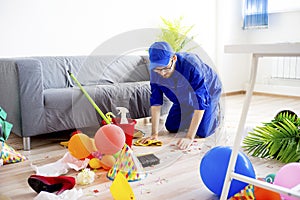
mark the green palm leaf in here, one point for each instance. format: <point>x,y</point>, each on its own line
<point>278,139</point>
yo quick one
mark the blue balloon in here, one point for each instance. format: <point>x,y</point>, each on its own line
<point>213,168</point>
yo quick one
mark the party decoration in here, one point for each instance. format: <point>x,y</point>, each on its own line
<point>120,188</point>
<point>96,154</point>
<point>109,139</point>
<point>95,163</point>
<point>107,162</point>
<point>246,194</point>
<point>251,192</point>
<point>9,154</point>
<point>288,176</point>
<point>65,143</point>
<point>116,155</point>
<point>270,178</point>
<point>5,127</point>
<point>264,194</point>
<point>81,146</point>
<point>213,168</point>
<point>128,165</point>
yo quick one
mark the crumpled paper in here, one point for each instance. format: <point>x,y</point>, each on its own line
<point>61,166</point>
<point>66,195</point>
<point>85,177</point>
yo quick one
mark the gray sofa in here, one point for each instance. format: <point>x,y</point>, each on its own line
<point>40,97</point>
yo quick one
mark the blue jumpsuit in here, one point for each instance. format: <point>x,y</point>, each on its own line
<point>193,86</point>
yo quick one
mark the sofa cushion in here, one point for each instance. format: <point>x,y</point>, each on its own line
<point>92,70</point>
<point>106,69</point>
<point>69,108</point>
<point>54,71</point>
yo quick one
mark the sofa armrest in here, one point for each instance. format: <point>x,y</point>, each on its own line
<point>9,91</point>
<point>31,97</point>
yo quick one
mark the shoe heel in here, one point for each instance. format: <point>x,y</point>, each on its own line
<point>38,186</point>
<point>64,187</point>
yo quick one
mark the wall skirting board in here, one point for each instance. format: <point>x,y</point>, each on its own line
<point>264,93</point>
<point>277,90</point>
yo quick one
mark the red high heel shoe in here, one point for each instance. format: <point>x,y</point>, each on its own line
<point>51,183</point>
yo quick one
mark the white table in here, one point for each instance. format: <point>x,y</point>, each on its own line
<point>257,51</point>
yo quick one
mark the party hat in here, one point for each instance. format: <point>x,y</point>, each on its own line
<point>9,154</point>
<point>120,188</point>
<point>245,194</point>
<point>128,164</point>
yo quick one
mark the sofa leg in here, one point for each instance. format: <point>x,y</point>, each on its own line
<point>147,120</point>
<point>26,143</point>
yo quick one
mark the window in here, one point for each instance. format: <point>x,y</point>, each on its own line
<point>255,14</point>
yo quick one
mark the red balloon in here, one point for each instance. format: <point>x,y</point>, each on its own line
<point>109,139</point>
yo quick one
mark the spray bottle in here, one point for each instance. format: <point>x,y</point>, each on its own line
<point>123,111</point>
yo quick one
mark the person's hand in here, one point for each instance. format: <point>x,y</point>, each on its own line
<point>184,143</point>
<point>146,139</point>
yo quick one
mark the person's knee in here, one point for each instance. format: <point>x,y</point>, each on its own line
<point>208,127</point>
<point>171,128</point>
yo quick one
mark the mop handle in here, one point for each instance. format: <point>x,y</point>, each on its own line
<point>89,98</point>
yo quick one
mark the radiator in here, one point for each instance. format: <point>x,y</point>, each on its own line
<point>287,68</point>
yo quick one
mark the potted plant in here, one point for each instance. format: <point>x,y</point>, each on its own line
<point>278,139</point>
<point>176,34</point>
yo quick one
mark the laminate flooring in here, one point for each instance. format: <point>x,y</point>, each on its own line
<point>176,177</point>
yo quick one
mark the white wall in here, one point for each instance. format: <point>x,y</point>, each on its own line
<point>235,69</point>
<point>283,27</point>
<point>78,27</point>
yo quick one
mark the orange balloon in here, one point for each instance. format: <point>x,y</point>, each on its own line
<point>263,194</point>
<point>81,146</point>
<point>107,162</point>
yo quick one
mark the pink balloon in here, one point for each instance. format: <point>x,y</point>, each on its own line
<point>109,139</point>
<point>288,176</point>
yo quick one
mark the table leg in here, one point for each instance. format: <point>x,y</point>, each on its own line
<point>240,129</point>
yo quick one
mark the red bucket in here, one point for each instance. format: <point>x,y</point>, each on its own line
<point>127,128</point>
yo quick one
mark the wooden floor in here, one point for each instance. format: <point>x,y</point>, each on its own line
<point>177,177</point>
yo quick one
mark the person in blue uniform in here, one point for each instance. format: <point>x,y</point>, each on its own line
<point>192,86</point>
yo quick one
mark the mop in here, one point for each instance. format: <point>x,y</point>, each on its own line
<point>147,160</point>
<point>89,98</point>
<point>106,117</point>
